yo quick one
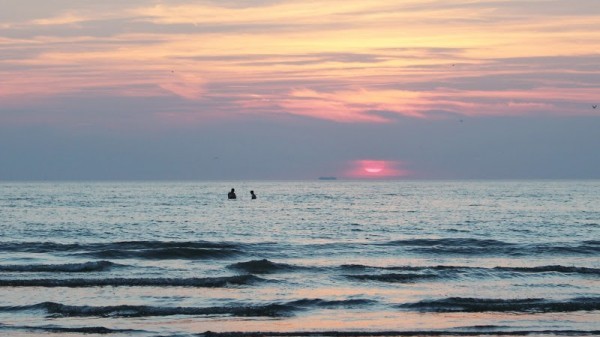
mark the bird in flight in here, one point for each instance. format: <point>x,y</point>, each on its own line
<point>594,106</point>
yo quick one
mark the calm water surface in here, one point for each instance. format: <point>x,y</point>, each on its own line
<point>335,257</point>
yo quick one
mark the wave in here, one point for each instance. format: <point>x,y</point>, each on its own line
<point>589,247</point>
<point>402,333</point>
<point>163,253</point>
<point>207,282</point>
<point>459,246</point>
<point>99,330</point>
<point>207,249</point>
<point>49,247</point>
<point>155,250</point>
<point>330,333</point>
<point>350,303</point>
<point>38,247</point>
<point>391,278</point>
<point>450,271</point>
<point>266,310</point>
<point>362,267</point>
<point>531,305</point>
<point>62,310</point>
<point>479,243</point>
<point>553,268</point>
<point>84,267</point>
<point>392,333</point>
<point>264,266</point>
<point>470,246</point>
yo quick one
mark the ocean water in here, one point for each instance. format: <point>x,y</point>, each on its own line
<point>319,258</point>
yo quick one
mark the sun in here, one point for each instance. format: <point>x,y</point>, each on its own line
<point>373,169</point>
<point>376,169</point>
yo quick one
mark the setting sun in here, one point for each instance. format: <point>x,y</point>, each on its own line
<point>376,169</point>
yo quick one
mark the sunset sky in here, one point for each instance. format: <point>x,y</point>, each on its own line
<point>267,89</point>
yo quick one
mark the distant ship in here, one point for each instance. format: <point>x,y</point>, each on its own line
<point>327,178</point>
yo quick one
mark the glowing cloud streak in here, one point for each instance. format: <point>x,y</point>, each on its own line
<point>345,61</point>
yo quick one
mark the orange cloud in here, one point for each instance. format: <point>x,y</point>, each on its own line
<point>67,18</point>
<point>353,61</point>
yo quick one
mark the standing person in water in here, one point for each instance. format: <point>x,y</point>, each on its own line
<point>231,195</point>
<point>253,195</point>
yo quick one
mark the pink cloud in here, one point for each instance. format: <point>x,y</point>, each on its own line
<point>350,106</point>
<point>190,87</point>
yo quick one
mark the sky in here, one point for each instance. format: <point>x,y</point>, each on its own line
<point>299,89</point>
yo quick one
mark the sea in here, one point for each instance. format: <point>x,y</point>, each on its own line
<point>306,258</point>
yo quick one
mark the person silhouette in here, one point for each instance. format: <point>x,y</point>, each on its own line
<point>231,195</point>
<point>253,195</point>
